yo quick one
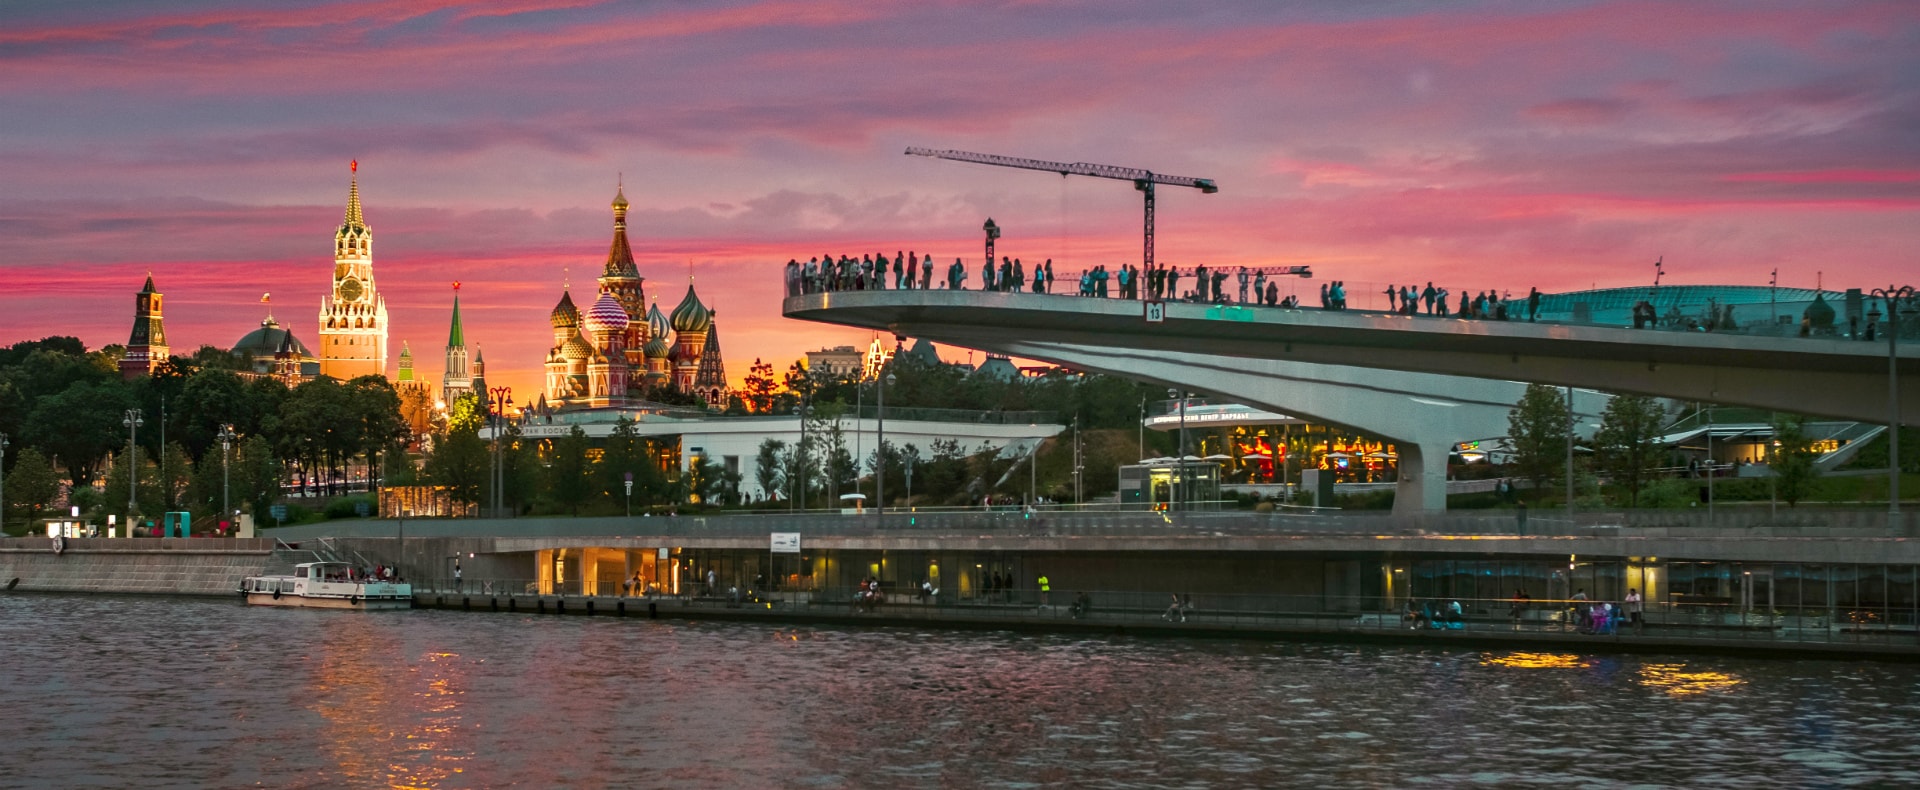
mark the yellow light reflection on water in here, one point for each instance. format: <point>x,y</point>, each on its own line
<point>1536,661</point>
<point>1675,680</point>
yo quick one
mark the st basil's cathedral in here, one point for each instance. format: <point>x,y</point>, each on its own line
<point>621,348</point>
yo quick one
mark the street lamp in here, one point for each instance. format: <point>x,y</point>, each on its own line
<point>226,470</point>
<point>880,446</point>
<point>500,399</point>
<point>993,232</point>
<point>1179,496</point>
<point>793,478</point>
<point>133,421</point>
<point>1894,296</point>
<point>3,485</point>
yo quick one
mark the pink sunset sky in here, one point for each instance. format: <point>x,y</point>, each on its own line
<point>1475,144</point>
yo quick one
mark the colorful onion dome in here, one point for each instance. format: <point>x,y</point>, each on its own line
<point>691,315</point>
<point>577,347</point>
<point>565,315</point>
<point>658,347</point>
<point>606,314</point>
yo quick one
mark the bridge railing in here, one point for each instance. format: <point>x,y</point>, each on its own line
<point>1016,523</point>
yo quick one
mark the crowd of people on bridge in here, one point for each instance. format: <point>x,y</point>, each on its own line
<point>1436,301</point>
<point>1246,285</point>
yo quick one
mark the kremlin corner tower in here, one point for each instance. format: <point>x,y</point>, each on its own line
<point>353,319</point>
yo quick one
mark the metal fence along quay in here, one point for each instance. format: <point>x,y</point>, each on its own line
<point>1886,631</point>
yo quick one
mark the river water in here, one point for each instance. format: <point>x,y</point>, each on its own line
<point>169,692</point>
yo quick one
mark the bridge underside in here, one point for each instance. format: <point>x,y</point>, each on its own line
<point>1423,414</point>
<point>1823,377</point>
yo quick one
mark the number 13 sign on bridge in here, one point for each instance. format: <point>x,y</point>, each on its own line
<point>1156,312</point>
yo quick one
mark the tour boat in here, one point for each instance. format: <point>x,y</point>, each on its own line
<point>326,585</point>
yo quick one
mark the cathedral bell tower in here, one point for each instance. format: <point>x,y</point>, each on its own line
<point>353,319</point>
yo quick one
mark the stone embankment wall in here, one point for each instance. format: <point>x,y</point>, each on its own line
<point>161,566</point>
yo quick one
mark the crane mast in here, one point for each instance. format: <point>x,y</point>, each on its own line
<point>1143,180</point>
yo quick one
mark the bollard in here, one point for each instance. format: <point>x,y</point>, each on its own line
<point>653,610</point>
<point>495,602</point>
<point>466,604</point>
<point>620,609</point>
<point>589,607</point>
<point>560,606</point>
<point>542,603</point>
<point>511,606</point>
<point>440,601</point>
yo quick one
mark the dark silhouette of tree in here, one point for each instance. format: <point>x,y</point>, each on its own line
<point>1628,442</point>
<point>1537,433</point>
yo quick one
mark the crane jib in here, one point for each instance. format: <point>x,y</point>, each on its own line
<point>1070,169</point>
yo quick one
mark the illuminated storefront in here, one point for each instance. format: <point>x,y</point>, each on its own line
<point>1253,446</point>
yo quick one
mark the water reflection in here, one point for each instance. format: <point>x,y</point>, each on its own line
<point>183,693</point>
<point>1524,660</point>
<point>1679,681</point>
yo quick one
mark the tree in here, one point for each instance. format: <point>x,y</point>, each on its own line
<point>759,386</point>
<point>1537,432</point>
<point>1628,442</point>
<point>520,469</point>
<point>768,468</point>
<point>80,425</point>
<point>257,477</point>
<point>146,488</point>
<point>570,475</point>
<point>458,463</point>
<point>374,408</point>
<point>175,476</point>
<point>704,481</point>
<point>465,413</point>
<point>625,453</point>
<point>1791,458</point>
<point>31,486</point>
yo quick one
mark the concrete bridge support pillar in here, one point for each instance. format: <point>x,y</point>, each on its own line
<point>1423,478</point>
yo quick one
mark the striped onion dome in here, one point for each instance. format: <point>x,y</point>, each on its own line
<point>607,315</point>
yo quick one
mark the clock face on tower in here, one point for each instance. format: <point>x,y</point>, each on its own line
<point>350,289</point>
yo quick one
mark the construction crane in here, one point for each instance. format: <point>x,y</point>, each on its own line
<point>1143,180</point>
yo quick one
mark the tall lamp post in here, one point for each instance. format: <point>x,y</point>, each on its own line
<point>3,485</point>
<point>1898,298</point>
<point>226,470</point>
<point>795,479</point>
<point>133,421</point>
<point>993,232</point>
<point>1179,495</point>
<point>880,444</point>
<point>500,399</point>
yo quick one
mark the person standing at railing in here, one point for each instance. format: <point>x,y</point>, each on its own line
<point>1518,611</point>
<point>1045,588</point>
<point>1635,605</point>
<point>456,576</point>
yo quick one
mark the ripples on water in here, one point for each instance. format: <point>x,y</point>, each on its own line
<point>155,692</point>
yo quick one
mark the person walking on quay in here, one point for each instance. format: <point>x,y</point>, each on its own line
<point>1045,587</point>
<point>1173,283</point>
<point>1260,285</point>
<point>1245,278</point>
<point>1518,611</point>
<point>1581,611</point>
<point>456,576</point>
<point>926,272</point>
<point>1533,304</point>
<point>712,581</point>
<point>1393,299</point>
<point>1635,605</point>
